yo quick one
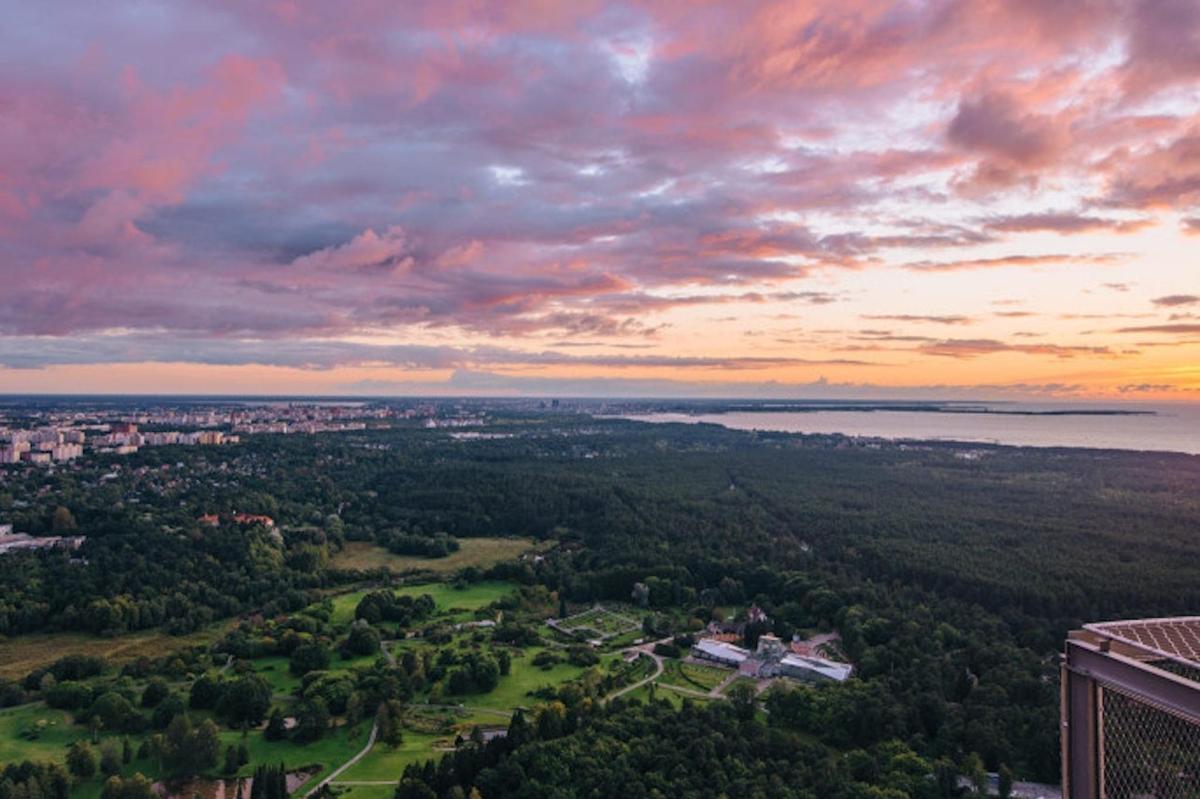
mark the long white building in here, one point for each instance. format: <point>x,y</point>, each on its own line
<point>720,652</point>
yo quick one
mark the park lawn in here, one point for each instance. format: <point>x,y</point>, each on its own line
<point>338,663</point>
<point>449,600</point>
<point>276,670</point>
<point>25,653</point>
<point>740,681</point>
<point>671,674</point>
<point>512,692</point>
<point>661,694</point>
<point>482,553</point>
<point>624,640</point>
<point>705,678</point>
<point>454,720</point>
<point>386,791</point>
<point>330,752</point>
<point>693,676</point>
<point>385,763</point>
<point>94,787</point>
<point>57,734</point>
<point>638,669</point>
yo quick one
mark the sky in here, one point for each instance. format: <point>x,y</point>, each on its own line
<point>853,198</point>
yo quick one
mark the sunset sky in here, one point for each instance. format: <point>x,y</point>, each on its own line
<point>942,198</point>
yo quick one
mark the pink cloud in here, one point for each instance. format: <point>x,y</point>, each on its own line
<point>166,140</point>
<point>565,169</point>
<point>1163,45</point>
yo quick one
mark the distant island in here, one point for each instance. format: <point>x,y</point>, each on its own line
<point>818,406</point>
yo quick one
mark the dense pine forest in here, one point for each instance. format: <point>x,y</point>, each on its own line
<point>950,572</point>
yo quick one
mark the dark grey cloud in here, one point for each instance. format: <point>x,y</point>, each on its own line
<point>35,352</point>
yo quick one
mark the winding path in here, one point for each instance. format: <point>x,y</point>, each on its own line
<point>679,689</point>
<point>342,768</point>
<point>658,670</point>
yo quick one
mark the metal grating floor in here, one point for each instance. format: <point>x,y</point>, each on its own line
<point>1177,638</point>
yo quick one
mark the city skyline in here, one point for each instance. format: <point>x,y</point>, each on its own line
<point>847,200</point>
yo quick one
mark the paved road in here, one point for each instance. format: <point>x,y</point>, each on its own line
<point>342,768</point>
<point>658,670</point>
<point>718,691</point>
<point>647,649</point>
<point>679,689</point>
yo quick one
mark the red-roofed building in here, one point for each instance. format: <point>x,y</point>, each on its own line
<point>253,518</point>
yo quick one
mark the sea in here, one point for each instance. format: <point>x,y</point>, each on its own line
<point>1160,427</point>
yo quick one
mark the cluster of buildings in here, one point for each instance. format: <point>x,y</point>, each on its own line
<point>64,434</point>
<point>213,519</point>
<point>462,420</point>
<point>124,438</point>
<point>285,428</point>
<point>53,444</point>
<point>16,542</point>
<point>251,414</point>
<point>70,435</point>
<point>772,657</point>
<point>40,445</point>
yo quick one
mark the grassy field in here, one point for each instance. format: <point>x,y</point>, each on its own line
<point>451,720</point>
<point>618,642</point>
<point>57,733</point>
<point>329,752</point>
<point>366,791</point>
<point>449,600</point>
<point>661,694</point>
<point>740,680</point>
<point>695,676</point>
<point>23,654</point>
<point>439,727</point>
<point>275,671</point>
<point>512,692</point>
<point>692,676</point>
<point>482,553</point>
<point>385,763</point>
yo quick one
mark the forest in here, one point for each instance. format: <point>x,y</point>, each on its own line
<point>950,572</point>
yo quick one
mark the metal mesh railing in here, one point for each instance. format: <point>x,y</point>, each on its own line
<point>1147,753</point>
